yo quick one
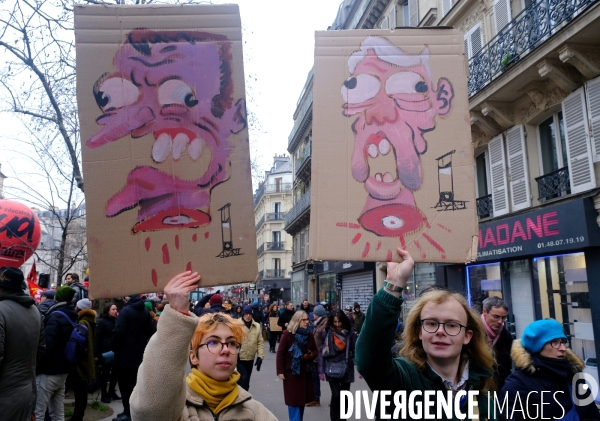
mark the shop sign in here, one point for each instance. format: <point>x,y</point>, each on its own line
<point>346,266</point>
<point>567,226</point>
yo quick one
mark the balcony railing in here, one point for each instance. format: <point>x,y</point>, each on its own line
<point>260,249</point>
<point>262,220</point>
<point>279,245</point>
<point>274,216</point>
<point>485,207</point>
<point>271,188</point>
<point>302,158</point>
<point>274,273</point>
<point>298,208</point>
<point>527,31</point>
<point>554,184</point>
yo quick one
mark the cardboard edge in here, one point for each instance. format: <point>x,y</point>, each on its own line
<point>472,253</point>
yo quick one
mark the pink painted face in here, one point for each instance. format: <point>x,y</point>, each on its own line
<point>394,106</point>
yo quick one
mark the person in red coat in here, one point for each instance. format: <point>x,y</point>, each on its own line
<point>297,350</point>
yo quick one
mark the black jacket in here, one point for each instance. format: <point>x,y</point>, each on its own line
<point>133,329</point>
<point>104,335</point>
<point>534,374</point>
<point>285,317</point>
<point>57,330</point>
<point>503,365</point>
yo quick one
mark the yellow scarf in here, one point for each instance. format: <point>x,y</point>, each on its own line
<point>218,395</point>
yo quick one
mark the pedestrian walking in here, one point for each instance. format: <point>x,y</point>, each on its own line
<point>445,347</point>
<point>273,326</point>
<point>495,312</point>
<point>359,318</point>
<point>104,354</point>
<point>85,371</point>
<point>286,315</point>
<point>336,358</point>
<point>252,346</point>
<point>210,391</point>
<point>297,350</point>
<point>46,301</point>
<point>22,342</point>
<point>320,323</point>
<point>544,363</point>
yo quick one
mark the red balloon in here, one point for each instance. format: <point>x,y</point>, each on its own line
<point>20,233</point>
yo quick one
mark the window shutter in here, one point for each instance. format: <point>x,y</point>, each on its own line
<point>592,89</point>
<point>446,6</point>
<point>413,12</point>
<point>498,176</point>
<point>467,45</point>
<point>517,168</point>
<point>581,167</point>
<point>501,13</point>
<point>476,39</point>
<point>384,23</point>
<point>392,17</point>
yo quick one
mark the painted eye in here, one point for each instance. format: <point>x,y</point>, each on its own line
<point>175,91</point>
<point>360,88</point>
<point>405,83</point>
<point>116,92</point>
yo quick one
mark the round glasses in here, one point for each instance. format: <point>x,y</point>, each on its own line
<point>556,343</point>
<point>432,326</point>
<point>215,347</point>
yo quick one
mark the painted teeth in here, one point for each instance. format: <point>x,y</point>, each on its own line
<point>384,147</point>
<point>378,176</point>
<point>388,178</point>
<point>195,148</point>
<point>179,143</point>
<point>161,147</point>
<point>373,152</point>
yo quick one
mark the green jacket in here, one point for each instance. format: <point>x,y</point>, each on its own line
<point>381,371</point>
<point>86,370</point>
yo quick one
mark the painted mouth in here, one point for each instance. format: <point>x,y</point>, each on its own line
<point>383,180</point>
<point>176,141</point>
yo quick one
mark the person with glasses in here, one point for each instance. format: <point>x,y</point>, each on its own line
<point>495,313</point>
<point>445,347</point>
<point>544,363</point>
<point>297,350</point>
<point>163,391</point>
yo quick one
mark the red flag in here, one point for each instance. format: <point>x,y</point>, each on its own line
<point>32,277</point>
<point>32,282</point>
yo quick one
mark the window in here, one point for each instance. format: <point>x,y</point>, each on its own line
<point>277,209</point>
<point>278,184</point>
<point>276,264</point>
<point>502,14</point>
<point>482,177</point>
<point>413,12</point>
<point>473,41</point>
<point>276,236</point>
<point>446,6</point>
<point>551,136</point>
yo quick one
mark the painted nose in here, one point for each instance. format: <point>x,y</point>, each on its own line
<point>382,111</point>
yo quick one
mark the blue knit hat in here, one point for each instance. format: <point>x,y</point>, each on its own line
<point>247,310</point>
<point>539,333</point>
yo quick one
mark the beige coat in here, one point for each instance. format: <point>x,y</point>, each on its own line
<point>253,343</point>
<point>161,391</point>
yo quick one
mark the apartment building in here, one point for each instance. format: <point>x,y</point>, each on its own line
<point>272,200</point>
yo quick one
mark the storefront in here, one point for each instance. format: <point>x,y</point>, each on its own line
<point>543,263</point>
<point>357,282</point>
<point>326,289</point>
<point>299,286</point>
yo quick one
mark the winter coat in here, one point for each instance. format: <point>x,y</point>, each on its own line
<point>57,330</point>
<point>104,335</point>
<point>381,371</point>
<point>503,361</point>
<point>359,319</point>
<point>161,393</point>
<point>80,291</point>
<point>297,389</point>
<point>257,315</point>
<point>253,343</point>
<point>21,343</point>
<point>320,326</point>
<point>45,306</point>
<point>133,328</point>
<point>533,374</point>
<point>86,369</point>
<point>351,344</point>
<point>285,317</point>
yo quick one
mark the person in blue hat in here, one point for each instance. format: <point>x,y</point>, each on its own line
<point>544,363</point>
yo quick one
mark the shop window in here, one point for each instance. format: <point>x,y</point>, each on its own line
<point>551,136</point>
<point>422,277</point>
<point>483,281</point>
<point>327,291</point>
<point>519,296</point>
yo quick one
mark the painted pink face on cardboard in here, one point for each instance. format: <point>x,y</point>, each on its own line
<point>176,87</point>
<point>394,106</point>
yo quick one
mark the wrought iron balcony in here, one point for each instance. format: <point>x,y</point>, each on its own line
<point>485,207</point>
<point>262,220</point>
<point>274,273</point>
<point>554,184</point>
<point>298,209</point>
<point>279,245</point>
<point>271,188</point>
<point>302,159</point>
<point>274,216</point>
<point>260,250</point>
<point>527,31</point>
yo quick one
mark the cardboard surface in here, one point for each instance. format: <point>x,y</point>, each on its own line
<point>273,324</point>
<point>392,162</point>
<point>165,150</point>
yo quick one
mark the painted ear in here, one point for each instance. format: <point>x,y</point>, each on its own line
<point>443,96</point>
<point>239,116</point>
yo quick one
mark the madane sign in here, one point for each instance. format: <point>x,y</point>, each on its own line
<point>552,229</point>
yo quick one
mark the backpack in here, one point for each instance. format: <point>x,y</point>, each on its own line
<point>82,291</point>
<point>77,345</point>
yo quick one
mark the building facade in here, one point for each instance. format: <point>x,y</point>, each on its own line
<point>272,200</point>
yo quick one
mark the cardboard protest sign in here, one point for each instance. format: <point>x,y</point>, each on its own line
<point>392,162</point>
<point>165,150</point>
<point>273,324</point>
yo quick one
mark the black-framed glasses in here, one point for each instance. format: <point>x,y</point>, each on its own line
<point>497,317</point>
<point>215,347</point>
<point>432,326</point>
<point>556,343</point>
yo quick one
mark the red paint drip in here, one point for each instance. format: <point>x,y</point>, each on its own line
<point>154,277</point>
<point>347,225</point>
<point>402,242</point>
<point>188,266</point>
<point>355,226</point>
<point>206,234</point>
<point>423,255</point>
<point>356,238</point>
<point>147,243</point>
<point>389,256</point>
<point>436,245</point>
<point>366,250</point>
<point>444,227</point>
<point>342,224</point>
<point>177,242</point>
<point>378,246</point>
<point>195,238</point>
<point>166,258</point>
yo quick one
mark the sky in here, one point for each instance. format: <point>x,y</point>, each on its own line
<point>279,53</point>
